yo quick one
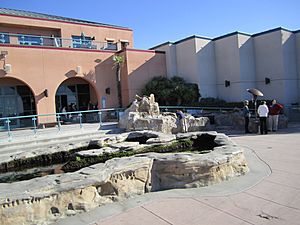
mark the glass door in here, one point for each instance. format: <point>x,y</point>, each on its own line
<point>9,108</point>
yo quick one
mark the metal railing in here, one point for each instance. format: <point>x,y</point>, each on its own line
<point>58,123</point>
<point>57,42</point>
<point>197,109</point>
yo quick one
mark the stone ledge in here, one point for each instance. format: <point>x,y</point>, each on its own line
<point>45,199</point>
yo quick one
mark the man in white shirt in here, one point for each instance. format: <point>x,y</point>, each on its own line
<point>263,114</point>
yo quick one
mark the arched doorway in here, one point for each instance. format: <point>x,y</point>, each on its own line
<point>16,99</point>
<point>75,92</point>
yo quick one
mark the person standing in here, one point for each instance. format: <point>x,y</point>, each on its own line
<point>246,114</point>
<point>181,117</point>
<point>274,111</point>
<point>263,114</point>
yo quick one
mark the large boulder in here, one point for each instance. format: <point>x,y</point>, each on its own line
<point>45,199</point>
<point>144,114</point>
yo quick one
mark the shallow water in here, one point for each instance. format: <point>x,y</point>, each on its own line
<point>28,174</point>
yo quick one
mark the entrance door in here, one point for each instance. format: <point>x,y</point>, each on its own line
<point>61,101</point>
<point>9,108</point>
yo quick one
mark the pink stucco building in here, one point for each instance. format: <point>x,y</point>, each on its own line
<point>48,62</point>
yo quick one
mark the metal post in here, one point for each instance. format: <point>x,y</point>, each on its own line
<point>117,111</point>
<point>80,120</point>
<point>100,118</point>
<point>8,129</point>
<point>34,125</point>
<point>58,122</point>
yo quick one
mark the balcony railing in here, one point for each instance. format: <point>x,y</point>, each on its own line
<point>56,42</point>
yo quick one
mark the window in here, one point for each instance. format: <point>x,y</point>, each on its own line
<point>81,42</point>
<point>30,40</point>
<point>110,45</point>
<point>124,44</point>
<point>4,38</point>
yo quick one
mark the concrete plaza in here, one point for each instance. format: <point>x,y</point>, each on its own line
<point>269,194</point>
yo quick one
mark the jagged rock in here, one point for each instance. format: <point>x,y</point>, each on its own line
<point>192,124</point>
<point>144,114</point>
<point>43,200</point>
<point>124,145</point>
<point>96,152</point>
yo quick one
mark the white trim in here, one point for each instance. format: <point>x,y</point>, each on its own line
<point>109,39</point>
<point>123,40</point>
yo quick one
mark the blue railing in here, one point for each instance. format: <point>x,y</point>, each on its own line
<point>57,42</point>
<point>198,110</point>
<point>10,125</point>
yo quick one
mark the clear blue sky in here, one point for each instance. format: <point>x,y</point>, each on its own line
<point>158,21</point>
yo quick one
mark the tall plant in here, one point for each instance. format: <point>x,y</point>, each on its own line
<point>118,63</point>
<point>174,91</point>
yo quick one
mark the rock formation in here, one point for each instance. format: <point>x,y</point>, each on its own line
<point>144,114</point>
<point>43,200</point>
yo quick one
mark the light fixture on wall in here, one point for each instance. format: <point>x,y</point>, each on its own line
<point>267,80</point>
<point>6,67</point>
<point>45,93</point>
<point>227,83</point>
<point>3,54</point>
<point>78,70</point>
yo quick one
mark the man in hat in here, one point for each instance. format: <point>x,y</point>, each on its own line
<point>246,114</point>
<point>274,111</point>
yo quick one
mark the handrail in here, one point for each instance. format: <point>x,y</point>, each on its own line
<point>59,119</point>
<point>199,107</point>
<point>61,113</point>
<point>59,42</point>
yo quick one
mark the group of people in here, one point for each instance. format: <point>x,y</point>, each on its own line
<point>69,117</point>
<point>268,116</point>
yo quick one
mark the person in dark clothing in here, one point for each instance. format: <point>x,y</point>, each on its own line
<point>246,114</point>
<point>181,117</point>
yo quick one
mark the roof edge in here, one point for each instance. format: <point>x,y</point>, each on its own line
<point>61,19</point>
<point>191,37</point>
<point>231,34</point>
<point>160,45</point>
<point>270,31</point>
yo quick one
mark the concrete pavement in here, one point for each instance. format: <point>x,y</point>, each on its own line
<point>268,194</point>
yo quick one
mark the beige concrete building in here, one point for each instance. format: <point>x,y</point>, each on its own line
<point>224,67</point>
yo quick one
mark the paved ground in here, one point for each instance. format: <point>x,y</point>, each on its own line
<point>269,194</point>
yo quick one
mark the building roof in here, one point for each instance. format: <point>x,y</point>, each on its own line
<point>22,13</point>
<point>230,34</point>
<point>160,45</point>
<point>191,37</point>
<point>177,42</point>
<point>270,31</point>
<point>227,35</point>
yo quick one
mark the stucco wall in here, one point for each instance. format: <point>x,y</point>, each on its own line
<point>42,68</point>
<point>171,61</point>
<point>187,61</point>
<point>141,67</point>
<point>269,63</point>
<point>228,67</point>
<point>207,77</point>
<point>247,65</point>
<point>297,38</point>
<point>290,67</point>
